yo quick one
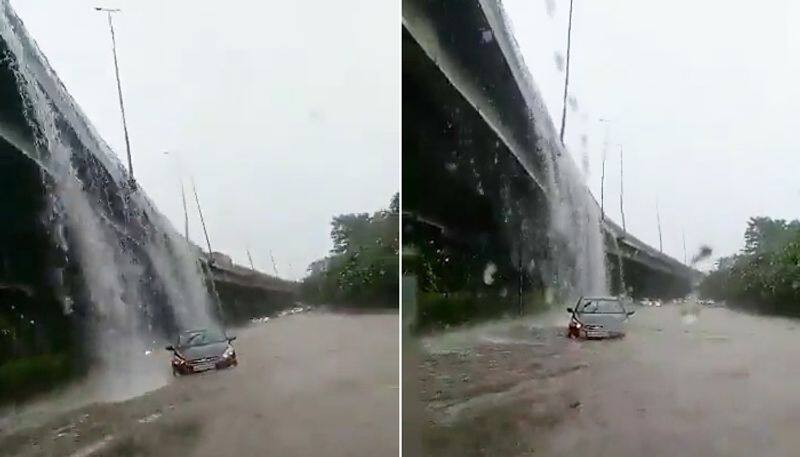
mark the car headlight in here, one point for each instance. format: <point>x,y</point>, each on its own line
<point>228,353</point>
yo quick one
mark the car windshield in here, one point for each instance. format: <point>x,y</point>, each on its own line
<point>200,337</point>
<point>600,306</point>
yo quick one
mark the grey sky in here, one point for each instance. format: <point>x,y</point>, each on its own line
<point>286,113</point>
<point>702,95</point>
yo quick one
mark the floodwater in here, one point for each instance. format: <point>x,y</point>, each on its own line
<point>684,381</point>
<point>306,384</point>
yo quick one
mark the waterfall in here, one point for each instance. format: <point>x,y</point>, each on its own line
<point>575,233</point>
<point>139,280</point>
<point>576,265</point>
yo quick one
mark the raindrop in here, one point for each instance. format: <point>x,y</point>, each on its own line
<point>550,5</point>
<point>559,60</point>
<point>488,273</point>
<point>585,162</point>
<point>451,167</point>
<point>573,103</point>
<point>486,36</point>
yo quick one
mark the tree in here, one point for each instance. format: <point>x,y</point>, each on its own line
<point>768,235</point>
<point>363,267</point>
<point>765,276</point>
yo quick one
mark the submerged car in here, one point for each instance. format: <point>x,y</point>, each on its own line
<point>598,317</point>
<point>202,350</point>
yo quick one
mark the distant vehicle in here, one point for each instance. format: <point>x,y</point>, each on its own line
<point>597,317</point>
<point>202,350</point>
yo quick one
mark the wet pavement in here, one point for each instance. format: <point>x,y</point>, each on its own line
<point>684,381</point>
<point>306,384</point>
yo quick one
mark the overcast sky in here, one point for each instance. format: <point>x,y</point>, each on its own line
<point>286,113</point>
<point>703,96</point>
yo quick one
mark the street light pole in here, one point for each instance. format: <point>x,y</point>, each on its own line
<point>603,172</point>
<point>207,264</point>
<point>566,74</point>
<point>622,191</point>
<point>685,258</point>
<point>658,220</point>
<point>108,12</point>
<point>250,258</point>
<point>185,214</point>
<point>183,193</point>
<point>274,265</point>
<point>202,220</point>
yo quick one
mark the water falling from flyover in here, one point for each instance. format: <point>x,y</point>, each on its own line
<point>139,280</point>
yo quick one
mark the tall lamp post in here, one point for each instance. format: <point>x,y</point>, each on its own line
<point>622,191</point>
<point>658,220</point>
<point>109,12</point>
<point>603,172</point>
<point>183,194</point>
<point>566,75</point>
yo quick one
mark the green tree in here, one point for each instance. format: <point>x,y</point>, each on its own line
<point>362,268</point>
<point>765,276</point>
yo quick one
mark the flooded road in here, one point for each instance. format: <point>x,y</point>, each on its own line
<point>307,384</point>
<point>717,382</point>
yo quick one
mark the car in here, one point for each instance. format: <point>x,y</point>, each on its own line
<point>201,350</point>
<point>598,317</point>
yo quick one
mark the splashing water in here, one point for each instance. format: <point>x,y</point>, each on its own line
<point>577,265</point>
<point>575,232</point>
<point>139,278</point>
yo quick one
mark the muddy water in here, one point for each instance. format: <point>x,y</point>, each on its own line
<point>710,382</point>
<point>724,383</point>
<point>307,384</point>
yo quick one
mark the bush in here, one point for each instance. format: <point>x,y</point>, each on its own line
<point>22,378</point>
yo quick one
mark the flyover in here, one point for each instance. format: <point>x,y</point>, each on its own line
<point>481,156</point>
<point>246,293</point>
<point>80,245</point>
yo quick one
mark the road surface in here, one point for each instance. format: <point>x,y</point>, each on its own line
<point>307,384</point>
<point>718,382</point>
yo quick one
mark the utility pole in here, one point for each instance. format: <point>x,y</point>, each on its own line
<point>621,191</point>
<point>685,258</point>
<point>603,173</point>
<point>207,265</point>
<point>202,220</point>
<point>566,76</point>
<point>185,214</point>
<point>250,258</point>
<point>179,174</point>
<point>603,188</point>
<point>658,219</point>
<point>520,274</point>
<point>108,12</point>
<point>274,265</point>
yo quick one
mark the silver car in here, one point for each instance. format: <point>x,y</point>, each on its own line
<point>598,317</point>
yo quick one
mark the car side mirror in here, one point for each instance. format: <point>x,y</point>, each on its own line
<point>569,310</point>
<point>231,338</point>
<point>170,348</point>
